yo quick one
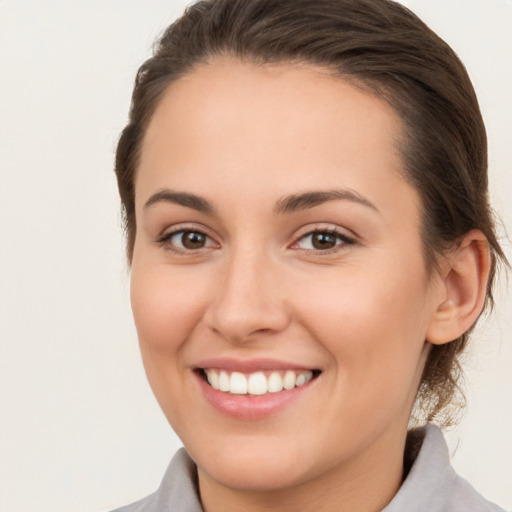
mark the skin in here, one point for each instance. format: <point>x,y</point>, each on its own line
<point>243,137</point>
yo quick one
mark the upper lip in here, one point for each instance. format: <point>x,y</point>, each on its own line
<point>250,365</point>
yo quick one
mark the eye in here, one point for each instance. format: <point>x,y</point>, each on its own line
<point>186,240</point>
<point>322,241</point>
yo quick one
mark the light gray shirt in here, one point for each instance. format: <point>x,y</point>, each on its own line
<point>430,486</point>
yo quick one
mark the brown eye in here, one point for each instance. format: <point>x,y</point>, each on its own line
<point>193,240</point>
<point>323,240</point>
<point>186,240</point>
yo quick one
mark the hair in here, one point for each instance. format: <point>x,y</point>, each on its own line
<point>387,50</point>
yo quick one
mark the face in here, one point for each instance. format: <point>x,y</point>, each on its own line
<point>278,254</point>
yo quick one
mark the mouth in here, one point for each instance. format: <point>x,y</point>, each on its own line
<point>257,383</point>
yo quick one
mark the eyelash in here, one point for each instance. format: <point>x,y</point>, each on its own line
<point>345,240</point>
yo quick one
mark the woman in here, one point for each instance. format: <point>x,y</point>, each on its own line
<point>305,193</point>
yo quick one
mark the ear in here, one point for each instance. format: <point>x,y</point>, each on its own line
<point>463,281</point>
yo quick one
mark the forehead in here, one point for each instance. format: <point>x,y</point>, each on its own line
<point>242,95</point>
<point>288,125</point>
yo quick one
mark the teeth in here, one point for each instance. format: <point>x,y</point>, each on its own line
<point>256,383</point>
<point>238,384</point>
<point>289,380</point>
<point>213,379</point>
<point>223,381</point>
<point>275,383</point>
<point>301,379</point>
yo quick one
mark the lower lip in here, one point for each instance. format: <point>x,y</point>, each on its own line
<point>251,407</point>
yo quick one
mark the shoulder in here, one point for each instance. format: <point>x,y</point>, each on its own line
<point>178,490</point>
<point>432,484</point>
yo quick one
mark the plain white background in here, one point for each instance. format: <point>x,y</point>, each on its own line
<point>79,427</point>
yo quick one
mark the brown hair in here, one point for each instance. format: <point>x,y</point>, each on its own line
<point>375,44</point>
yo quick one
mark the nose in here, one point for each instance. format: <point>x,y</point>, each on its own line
<point>250,300</point>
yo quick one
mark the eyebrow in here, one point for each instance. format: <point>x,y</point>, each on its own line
<point>182,198</point>
<point>306,200</point>
<point>287,204</point>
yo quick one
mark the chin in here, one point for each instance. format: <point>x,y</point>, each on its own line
<point>252,468</point>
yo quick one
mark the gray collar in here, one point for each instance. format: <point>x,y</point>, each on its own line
<point>432,484</point>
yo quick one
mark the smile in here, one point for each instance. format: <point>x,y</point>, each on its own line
<point>256,389</point>
<point>256,383</point>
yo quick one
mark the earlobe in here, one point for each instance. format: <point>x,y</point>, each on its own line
<point>464,283</point>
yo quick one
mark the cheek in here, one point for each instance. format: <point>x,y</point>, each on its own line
<point>373,324</point>
<point>166,306</point>
<point>365,300</point>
